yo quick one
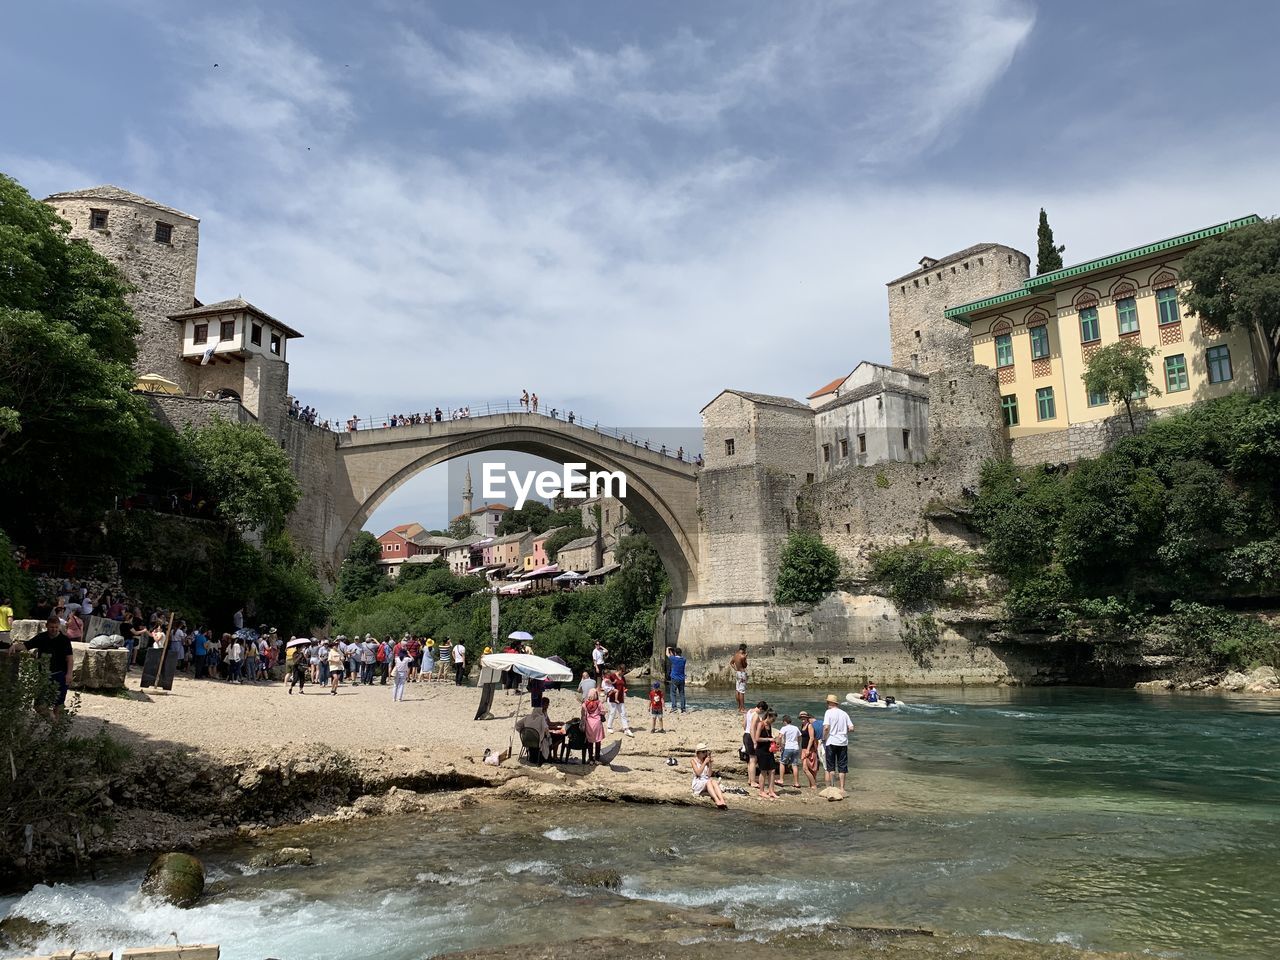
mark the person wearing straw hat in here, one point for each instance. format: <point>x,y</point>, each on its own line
<point>704,778</point>
<point>835,738</point>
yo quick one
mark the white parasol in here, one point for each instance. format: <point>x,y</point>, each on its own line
<point>527,665</point>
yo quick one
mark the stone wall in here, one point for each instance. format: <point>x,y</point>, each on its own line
<point>920,337</point>
<point>1080,441</point>
<point>181,412</point>
<point>311,452</point>
<point>163,273</point>
<point>747,501</point>
<point>860,509</point>
<point>848,639</point>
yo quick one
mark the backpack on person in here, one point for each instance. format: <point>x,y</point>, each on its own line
<point>382,653</point>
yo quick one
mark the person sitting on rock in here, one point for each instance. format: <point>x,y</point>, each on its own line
<point>704,778</point>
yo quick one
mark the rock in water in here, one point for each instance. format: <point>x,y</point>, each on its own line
<point>284,857</point>
<point>832,793</point>
<point>175,877</point>
<point>602,877</point>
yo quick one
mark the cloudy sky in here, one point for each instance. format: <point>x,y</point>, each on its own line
<point>629,207</point>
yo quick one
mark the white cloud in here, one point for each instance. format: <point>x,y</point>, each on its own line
<point>629,289</point>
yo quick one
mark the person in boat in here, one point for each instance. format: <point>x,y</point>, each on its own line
<point>871,695</point>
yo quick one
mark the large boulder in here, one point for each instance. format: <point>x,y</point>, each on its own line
<point>831,793</point>
<point>1262,680</point>
<point>175,877</point>
<point>284,857</point>
<point>24,630</point>
<point>94,669</point>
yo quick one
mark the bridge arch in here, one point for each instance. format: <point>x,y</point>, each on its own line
<point>661,491</point>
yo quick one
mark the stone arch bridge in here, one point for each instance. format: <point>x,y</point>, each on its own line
<point>662,492</point>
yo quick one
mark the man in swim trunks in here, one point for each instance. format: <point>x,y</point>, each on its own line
<point>738,664</point>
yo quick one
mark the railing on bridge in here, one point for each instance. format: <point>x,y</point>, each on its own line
<point>440,415</point>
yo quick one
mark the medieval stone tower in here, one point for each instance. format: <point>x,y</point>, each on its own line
<point>920,337</point>
<point>155,248</point>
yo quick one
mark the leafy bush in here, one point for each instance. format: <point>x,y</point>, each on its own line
<point>918,573</point>
<point>51,780</point>
<point>1187,509</point>
<point>1213,638</point>
<point>15,583</point>
<point>807,570</point>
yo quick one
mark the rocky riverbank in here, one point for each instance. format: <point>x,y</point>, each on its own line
<point>211,761</point>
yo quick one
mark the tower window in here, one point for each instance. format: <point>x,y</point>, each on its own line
<point>917,334</point>
<point>826,453</point>
<point>862,443</point>
<point>906,439</point>
<point>844,447</point>
<point>97,219</point>
<point>228,330</point>
<point>275,344</point>
<point>201,333</point>
<point>728,447</point>
<point>255,334</point>
<point>164,232</point>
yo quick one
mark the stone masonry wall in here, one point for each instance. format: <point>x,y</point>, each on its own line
<point>181,412</point>
<point>848,639</point>
<point>163,273</point>
<point>311,455</point>
<point>1079,441</point>
<point>861,509</point>
<point>920,337</point>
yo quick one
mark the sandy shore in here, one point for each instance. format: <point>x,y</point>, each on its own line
<point>430,732</point>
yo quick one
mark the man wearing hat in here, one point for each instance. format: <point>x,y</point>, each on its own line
<point>835,737</point>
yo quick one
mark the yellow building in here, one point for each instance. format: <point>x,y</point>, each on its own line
<point>1039,336</point>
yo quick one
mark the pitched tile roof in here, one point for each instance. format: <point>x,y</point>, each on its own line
<point>234,305</point>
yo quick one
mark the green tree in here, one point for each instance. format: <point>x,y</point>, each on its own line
<point>245,472</point>
<point>360,575</point>
<point>1122,371</point>
<point>460,528</point>
<point>1234,283</point>
<point>917,573</point>
<point>807,570</point>
<point>15,583</point>
<point>1048,256</point>
<point>66,342</point>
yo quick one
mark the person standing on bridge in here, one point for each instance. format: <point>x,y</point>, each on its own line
<point>533,402</point>
<point>524,399</point>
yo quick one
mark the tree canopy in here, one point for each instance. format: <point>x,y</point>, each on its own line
<point>66,342</point>
<point>807,570</point>
<point>1122,371</point>
<point>360,576</point>
<point>1048,256</point>
<point>1234,283</point>
<point>245,472</point>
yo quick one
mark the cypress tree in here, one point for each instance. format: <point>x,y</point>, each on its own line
<point>1048,256</point>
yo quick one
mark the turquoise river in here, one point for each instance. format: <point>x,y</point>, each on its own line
<point>1095,819</point>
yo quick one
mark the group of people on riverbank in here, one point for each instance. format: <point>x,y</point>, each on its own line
<point>364,661</point>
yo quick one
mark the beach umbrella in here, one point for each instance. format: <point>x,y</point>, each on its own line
<point>300,642</point>
<point>154,383</point>
<point>520,635</point>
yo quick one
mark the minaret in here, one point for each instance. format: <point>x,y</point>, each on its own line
<point>466,494</point>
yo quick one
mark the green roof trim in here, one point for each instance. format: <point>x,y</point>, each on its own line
<point>961,314</point>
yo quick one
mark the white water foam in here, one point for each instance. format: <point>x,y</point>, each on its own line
<point>568,833</point>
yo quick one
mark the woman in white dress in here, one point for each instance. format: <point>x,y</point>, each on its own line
<point>704,779</point>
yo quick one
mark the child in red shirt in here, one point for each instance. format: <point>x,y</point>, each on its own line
<point>655,708</point>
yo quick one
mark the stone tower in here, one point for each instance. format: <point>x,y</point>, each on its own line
<point>920,337</point>
<point>155,248</point>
